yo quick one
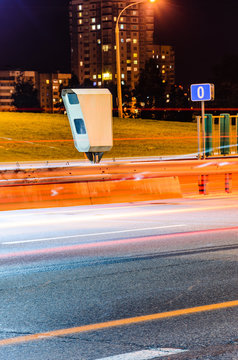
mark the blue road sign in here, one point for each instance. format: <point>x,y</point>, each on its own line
<point>202,92</point>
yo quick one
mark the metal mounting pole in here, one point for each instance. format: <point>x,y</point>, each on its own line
<point>199,135</point>
<point>203,128</point>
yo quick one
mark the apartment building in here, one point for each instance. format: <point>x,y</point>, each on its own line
<point>47,84</point>
<point>7,86</point>
<point>165,57</point>
<point>49,90</point>
<point>92,33</point>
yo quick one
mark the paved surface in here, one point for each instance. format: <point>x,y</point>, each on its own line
<point>67,268</point>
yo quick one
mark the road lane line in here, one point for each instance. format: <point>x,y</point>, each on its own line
<point>108,243</point>
<point>145,354</point>
<point>91,234</point>
<point>116,323</point>
<point>118,215</point>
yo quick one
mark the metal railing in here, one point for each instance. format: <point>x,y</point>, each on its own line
<point>217,135</point>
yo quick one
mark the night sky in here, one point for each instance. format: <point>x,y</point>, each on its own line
<point>34,35</point>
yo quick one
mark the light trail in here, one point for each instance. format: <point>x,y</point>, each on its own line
<point>121,215</point>
<point>110,243</point>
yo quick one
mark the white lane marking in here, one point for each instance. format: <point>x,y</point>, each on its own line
<point>92,234</point>
<point>145,354</point>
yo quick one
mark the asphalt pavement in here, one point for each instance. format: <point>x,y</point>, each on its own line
<point>150,280</point>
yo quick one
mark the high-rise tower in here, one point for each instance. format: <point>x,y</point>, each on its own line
<point>92,32</point>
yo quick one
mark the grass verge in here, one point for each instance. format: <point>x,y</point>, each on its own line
<point>32,136</point>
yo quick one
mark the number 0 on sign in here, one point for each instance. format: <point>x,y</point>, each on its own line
<point>202,92</point>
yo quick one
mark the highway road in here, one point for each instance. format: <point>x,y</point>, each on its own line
<point>142,279</point>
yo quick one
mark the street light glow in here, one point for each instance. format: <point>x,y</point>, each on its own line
<point>118,61</point>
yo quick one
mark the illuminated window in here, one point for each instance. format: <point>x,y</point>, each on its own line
<point>80,14</point>
<point>123,82</point>
<point>99,76</point>
<point>105,47</point>
<point>128,40</point>
<point>93,20</point>
<point>98,26</point>
<point>121,26</point>
<point>135,62</point>
<point>163,56</point>
<point>47,81</point>
<point>134,41</point>
<point>122,40</point>
<point>94,76</point>
<point>115,18</point>
<point>99,41</point>
<point>99,83</point>
<point>80,21</point>
<point>128,61</point>
<point>107,76</point>
<point>123,76</point>
<point>135,69</point>
<point>135,55</point>
<point>81,63</point>
<point>80,7</point>
<point>163,71</point>
<point>93,27</point>
<point>94,83</point>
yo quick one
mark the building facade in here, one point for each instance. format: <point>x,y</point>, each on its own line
<point>92,33</point>
<point>49,90</point>
<point>48,85</point>
<point>165,57</point>
<point>7,86</point>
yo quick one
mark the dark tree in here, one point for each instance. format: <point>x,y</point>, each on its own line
<point>225,78</point>
<point>25,96</point>
<point>150,89</point>
<point>178,99</point>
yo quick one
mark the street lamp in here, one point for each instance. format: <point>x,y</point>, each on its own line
<point>118,60</point>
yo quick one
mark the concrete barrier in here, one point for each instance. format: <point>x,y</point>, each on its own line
<point>115,183</point>
<point>88,193</point>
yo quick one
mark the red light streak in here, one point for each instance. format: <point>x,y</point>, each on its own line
<point>111,243</point>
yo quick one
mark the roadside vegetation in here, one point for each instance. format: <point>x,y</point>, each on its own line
<point>42,136</point>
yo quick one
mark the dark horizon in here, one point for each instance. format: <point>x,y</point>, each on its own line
<point>37,37</point>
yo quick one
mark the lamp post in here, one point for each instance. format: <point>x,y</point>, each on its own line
<point>118,60</point>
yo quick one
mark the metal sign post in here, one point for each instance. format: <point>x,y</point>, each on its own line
<point>202,92</point>
<point>203,127</point>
